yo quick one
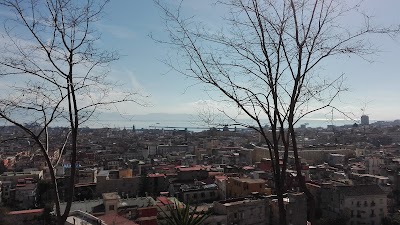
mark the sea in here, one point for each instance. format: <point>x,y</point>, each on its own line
<point>199,125</point>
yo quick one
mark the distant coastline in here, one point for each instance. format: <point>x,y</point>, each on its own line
<point>182,121</point>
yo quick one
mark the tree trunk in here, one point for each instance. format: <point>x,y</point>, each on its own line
<point>282,210</point>
<point>301,179</point>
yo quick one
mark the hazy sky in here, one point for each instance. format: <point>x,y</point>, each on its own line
<point>127,25</point>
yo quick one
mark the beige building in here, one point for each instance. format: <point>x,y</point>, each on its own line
<point>242,187</point>
<point>241,211</point>
<point>87,175</point>
<point>110,201</point>
<point>221,181</point>
<point>259,153</point>
<point>311,155</point>
<point>362,204</point>
<point>111,182</point>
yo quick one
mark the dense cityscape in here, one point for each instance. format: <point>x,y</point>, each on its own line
<point>233,112</point>
<point>128,176</point>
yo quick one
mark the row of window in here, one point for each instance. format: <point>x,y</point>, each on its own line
<point>372,214</point>
<point>258,211</point>
<point>359,204</point>
<point>202,195</point>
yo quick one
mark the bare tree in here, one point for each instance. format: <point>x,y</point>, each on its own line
<point>53,74</point>
<point>266,61</point>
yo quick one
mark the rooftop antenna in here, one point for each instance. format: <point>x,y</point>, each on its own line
<point>365,103</point>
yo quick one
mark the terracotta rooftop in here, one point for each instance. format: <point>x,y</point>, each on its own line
<point>164,200</point>
<point>29,211</point>
<point>156,175</point>
<point>189,168</point>
<point>221,177</point>
<point>215,174</point>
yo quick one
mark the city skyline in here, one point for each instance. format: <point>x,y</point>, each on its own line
<point>199,112</point>
<point>127,28</point>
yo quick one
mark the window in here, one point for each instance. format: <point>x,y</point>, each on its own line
<point>235,215</point>
<point>352,213</point>
<point>195,195</point>
<point>203,195</point>
<point>212,194</point>
<point>111,207</point>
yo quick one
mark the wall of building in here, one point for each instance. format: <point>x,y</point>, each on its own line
<point>241,187</point>
<point>14,176</point>
<point>365,209</point>
<point>242,211</point>
<point>198,196</point>
<point>124,186</point>
<point>198,174</point>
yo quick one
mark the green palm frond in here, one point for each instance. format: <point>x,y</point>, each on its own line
<point>183,215</point>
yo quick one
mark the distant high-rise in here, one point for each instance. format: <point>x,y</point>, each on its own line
<point>364,120</point>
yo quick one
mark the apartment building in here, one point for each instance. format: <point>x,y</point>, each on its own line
<point>242,211</point>
<point>242,187</point>
<point>363,204</point>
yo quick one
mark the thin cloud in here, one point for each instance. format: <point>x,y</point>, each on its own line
<point>116,31</point>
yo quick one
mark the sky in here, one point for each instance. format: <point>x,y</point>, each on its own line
<point>127,26</point>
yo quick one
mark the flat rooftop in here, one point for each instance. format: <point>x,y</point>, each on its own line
<point>110,196</point>
<point>79,217</point>
<point>248,180</point>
